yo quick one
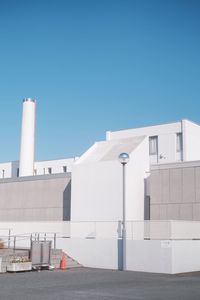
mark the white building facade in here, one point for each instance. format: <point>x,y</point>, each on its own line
<point>172,142</point>
<point>97,181</point>
<point>95,199</point>
<point>46,167</point>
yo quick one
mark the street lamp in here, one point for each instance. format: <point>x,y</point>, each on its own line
<point>124,159</point>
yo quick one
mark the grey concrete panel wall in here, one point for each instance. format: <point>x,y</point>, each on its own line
<point>155,187</point>
<point>163,212</point>
<point>165,186</point>
<point>197,185</point>
<point>36,199</point>
<point>186,211</point>
<point>196,211</point>
<point>175,181</point>
<point>155,212</point>
<point>173,210</point>
<point>175,193</point>
<point>188,185</point>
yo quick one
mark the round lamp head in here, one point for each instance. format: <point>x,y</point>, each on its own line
<point>123,158</point>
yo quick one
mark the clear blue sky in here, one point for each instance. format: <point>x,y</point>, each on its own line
<point>96,65</point>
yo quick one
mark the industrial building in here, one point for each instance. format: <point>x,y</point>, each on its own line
<point>81,197</point>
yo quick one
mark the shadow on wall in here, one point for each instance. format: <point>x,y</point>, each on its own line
<point>67,202</point>
<point>146,199</point>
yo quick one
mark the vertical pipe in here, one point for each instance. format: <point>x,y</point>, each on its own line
<point>27,148</point>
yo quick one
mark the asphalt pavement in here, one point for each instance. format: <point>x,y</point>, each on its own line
<point>93,284</point>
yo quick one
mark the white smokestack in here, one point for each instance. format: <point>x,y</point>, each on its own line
<point>27,149</point>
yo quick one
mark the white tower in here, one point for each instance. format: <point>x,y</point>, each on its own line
<point>27,149</point>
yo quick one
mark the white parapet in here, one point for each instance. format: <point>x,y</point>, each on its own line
<point>27,150</point>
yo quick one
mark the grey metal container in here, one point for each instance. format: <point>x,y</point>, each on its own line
<point>41,253</point>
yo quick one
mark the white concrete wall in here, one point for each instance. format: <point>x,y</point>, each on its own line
<point>167,148</point>
<point>163,256</point>
<point>191,140</point>
<point>93,253</point>
<point>96,192</point>
<point>56,165</point>
<point>157,256</point>
<point>97,187</point>
<point>29,227</point>
<point>40,167</point>
<point>166,140</point>
<point>149,256</point>
<point>137,171</point>
<point>5,170</point>
<point>185,256</point>
<point>148,130</point>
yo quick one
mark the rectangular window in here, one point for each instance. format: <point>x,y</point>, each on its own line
<point>17,172</point>
<point>153,145</point>
<point>64,169</point>
<point>3,173</point>
<point>179,142</point>
<point>49,170</point>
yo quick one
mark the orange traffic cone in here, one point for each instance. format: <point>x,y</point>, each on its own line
<point>63,263</point>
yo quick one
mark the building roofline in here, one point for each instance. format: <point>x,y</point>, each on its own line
<point>72,157</point>
<point>38,161</point>
<point>159,124</point>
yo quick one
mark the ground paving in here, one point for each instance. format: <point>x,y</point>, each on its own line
<point>95,284</point>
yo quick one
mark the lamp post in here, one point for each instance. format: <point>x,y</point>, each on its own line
<point>124,159</point>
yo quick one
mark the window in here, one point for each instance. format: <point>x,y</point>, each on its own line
<point>49,170</point>
<point>179,142</point>
<point>153,145</point>
<point>17,172</point>
<point>44,171</point>
<point>3,173</point>
<point>64,169</point>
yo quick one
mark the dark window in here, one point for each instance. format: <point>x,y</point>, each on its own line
<point>179,142</point>
<point>153,145</point>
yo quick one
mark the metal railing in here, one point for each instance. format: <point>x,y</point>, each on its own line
<point>24,240</point>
